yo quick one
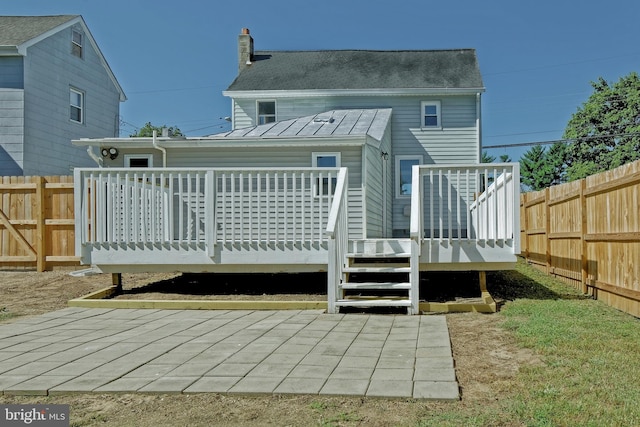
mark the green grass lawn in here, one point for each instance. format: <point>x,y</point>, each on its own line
<point>590,370</point>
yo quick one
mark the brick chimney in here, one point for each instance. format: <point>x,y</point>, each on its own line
<point>245,49</point>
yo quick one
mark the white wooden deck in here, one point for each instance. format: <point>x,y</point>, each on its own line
<point>466,217</point>
<point>258,220</point>
<point>463,217</point>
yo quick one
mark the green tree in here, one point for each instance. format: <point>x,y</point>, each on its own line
<point>148,128</point>
<point>556,161</point>
<point>541,168</point>
<point>486,158</point>
<point>504,158</point>
<point>605,131</point>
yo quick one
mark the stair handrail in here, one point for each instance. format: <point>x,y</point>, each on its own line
<point>337,233</point>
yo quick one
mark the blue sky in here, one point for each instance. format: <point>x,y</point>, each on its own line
<point>174,58</point>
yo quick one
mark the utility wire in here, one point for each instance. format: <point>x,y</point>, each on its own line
<point>564,141</point>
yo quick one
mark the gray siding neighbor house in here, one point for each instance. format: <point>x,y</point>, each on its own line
<point>349,162</point>
<point>55,86</point>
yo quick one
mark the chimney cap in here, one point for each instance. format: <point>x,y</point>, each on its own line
<point>245,31</point>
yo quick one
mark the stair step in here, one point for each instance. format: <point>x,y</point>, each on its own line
<point>379,302</point>
<point>375,246</point>
<point>375,285</point>
<point>383,255</point>
<point>376,269</point>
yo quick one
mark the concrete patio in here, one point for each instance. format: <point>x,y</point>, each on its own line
<point>228,351</point>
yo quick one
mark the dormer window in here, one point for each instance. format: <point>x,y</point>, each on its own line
<point>266,112</point>
<point>430,115</point>
<point>76,43</point>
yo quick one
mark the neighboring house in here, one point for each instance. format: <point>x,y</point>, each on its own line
<point>337,161</point>
<point>55,86</point>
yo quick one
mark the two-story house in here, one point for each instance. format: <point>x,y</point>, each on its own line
<point>350,161</point>
<point>55,86</point>
<point>434,96</point>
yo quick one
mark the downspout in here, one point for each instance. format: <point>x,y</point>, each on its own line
<point>479,126</point>
<point>95,157</point>
<point>157,147</point>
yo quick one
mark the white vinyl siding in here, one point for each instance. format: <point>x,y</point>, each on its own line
<point>457,142</point>
<point>350,157</point>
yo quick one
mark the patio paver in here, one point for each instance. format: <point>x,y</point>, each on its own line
<point>225,351</point>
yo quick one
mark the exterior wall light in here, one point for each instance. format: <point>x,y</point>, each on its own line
<point>110,152</point>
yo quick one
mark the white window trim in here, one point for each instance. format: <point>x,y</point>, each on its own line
<point>438,105</point>
<point>419,158</point>
<point>129,157</point>
<point>81,107</point>
<point>314,161</point>
<point>315,155</point>
<point>275,115</point>
<point>80,45</point>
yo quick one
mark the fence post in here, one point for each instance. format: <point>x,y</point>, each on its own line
<point>583,233</point>
<point>525,223</point>
<point>547,227</point>
<point>41,256</point>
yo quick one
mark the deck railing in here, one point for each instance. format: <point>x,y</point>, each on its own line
<point>203,206</point>
<point>466,202</point>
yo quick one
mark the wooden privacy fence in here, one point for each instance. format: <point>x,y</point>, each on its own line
<point>36,222</point>
<point>587,233</point>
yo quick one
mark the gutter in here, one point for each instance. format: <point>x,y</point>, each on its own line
<point>94,156</point>
<point>154,141</point>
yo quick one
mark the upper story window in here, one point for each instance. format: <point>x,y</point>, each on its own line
<point>404,169</point>
<point>430,115</point>
<point>76,101</point>
<point>76,43</point>
<point>266,112</point>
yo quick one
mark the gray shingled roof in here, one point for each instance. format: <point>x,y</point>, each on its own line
<point>15,30</point>
<point>360,69</point>
<point>335,123</point>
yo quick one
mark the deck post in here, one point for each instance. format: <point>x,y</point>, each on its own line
<point>116,280</point>
<point>483,281</point>
<point>414,276</point>
<point>332,277</point>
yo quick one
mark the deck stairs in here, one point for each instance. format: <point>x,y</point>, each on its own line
<point>377,273</point>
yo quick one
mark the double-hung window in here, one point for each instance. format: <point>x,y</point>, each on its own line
<point>76,105</point>
<point>266,112</point>
<point>404,167</point>
<point>76,43</point>
<point>324,186</point>
<point>430,115</point>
